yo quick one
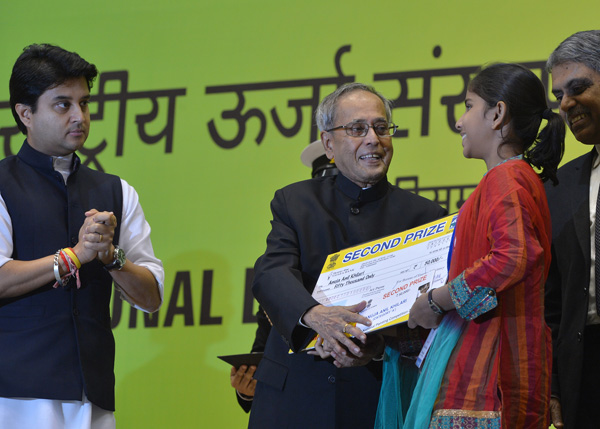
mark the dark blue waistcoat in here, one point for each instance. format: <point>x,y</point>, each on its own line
<point>57,343</point>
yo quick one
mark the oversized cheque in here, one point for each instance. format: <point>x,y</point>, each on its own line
<point>389,273</point>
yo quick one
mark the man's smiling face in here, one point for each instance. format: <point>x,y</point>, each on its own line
<point>577,89</point>
<point>364,160</point>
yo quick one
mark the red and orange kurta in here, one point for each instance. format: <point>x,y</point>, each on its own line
<point>499,371</point>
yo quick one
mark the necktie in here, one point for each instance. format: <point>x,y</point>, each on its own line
<point>597,244</point>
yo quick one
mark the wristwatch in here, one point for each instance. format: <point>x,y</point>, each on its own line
<point>435,307</point>
<point>118,260</point>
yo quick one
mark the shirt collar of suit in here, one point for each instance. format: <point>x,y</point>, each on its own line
<point>352,190</point>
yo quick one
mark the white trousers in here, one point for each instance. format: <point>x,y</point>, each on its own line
<point>28,413</point>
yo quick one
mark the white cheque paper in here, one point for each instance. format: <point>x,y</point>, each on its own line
<point>389,273</point>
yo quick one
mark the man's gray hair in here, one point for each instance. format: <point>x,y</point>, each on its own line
<point>582,47</point>
<point>325,114</point>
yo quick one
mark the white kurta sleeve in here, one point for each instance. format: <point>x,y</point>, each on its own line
<point>134,238</point>
<point>6,243</point>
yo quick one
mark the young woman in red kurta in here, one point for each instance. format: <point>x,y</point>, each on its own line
<point>498,372</point>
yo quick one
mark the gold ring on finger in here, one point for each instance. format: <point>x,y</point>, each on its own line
<point>345,326</point>
<point>100,237</point>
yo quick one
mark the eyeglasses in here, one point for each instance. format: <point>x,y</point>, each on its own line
<point>360,129</point>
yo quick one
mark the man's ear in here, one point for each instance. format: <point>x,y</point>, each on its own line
<point>24,112</point>
<point>500,117</point>
<point>327,144</point>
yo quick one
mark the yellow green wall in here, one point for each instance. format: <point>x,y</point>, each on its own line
<point>209,206</point>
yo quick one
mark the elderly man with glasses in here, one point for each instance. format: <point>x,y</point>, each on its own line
<point>312,219</point>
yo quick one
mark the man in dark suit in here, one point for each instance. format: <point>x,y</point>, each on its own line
<point>312,219</point>
<point>571,293</point>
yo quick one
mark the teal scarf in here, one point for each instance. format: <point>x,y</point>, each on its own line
<point>401,404</point>
<point>399,380</point>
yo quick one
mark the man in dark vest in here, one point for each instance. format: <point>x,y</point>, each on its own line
<point>66,233</point>
<point>312,219</point>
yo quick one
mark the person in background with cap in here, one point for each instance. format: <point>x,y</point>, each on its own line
<point>241,379</point>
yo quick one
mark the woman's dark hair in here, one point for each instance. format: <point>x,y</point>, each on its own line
<point>43,67</point>
<point>525,98</point>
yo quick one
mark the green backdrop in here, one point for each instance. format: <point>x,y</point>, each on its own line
<point>170,69</point>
